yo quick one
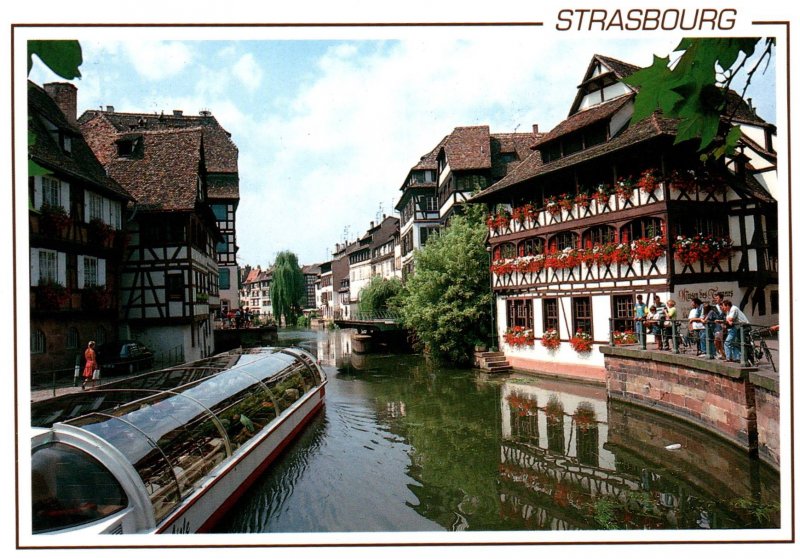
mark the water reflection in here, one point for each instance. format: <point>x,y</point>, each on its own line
<point>408,445</point>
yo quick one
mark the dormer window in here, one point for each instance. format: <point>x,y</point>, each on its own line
<point>125,148</point>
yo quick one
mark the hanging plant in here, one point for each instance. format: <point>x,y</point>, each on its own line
<point>647,249</point>
<point>53,220</point>
<point>707,248</point>
<point>552,206</point>
<point>100,232</point>
<point>52,296</point>
<point>96,298</point>
<point>582,200</point>
<point>683,180</point>
<point>624,189</point>
<point>519,336</point>
<point>565,201</point>
<point>627,337</point>
<point>601,195</point>
<point>551,339</point>
<point>581,341</point>
<point>649,180</point>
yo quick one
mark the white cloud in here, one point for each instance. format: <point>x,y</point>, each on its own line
<point>248,72</point>
<point>346,143</point>
<point>158,60</point>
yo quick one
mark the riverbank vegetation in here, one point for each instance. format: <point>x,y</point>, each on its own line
<point>287,289</point>
<point>447,300</point>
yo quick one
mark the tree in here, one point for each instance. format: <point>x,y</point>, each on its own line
<point>287,289</point>
<point>377,297</point>
<point>447,301</point>
<point>694,89</point>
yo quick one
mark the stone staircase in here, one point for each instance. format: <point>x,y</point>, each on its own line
<point>491,361</point>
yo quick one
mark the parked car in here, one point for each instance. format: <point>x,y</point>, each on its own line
<point>124,356</point>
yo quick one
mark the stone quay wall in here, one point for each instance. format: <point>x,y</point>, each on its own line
<point>737,403</point>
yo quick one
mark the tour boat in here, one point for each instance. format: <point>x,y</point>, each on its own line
<point>168,451</point>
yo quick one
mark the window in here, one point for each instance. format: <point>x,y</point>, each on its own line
<point>425,233</point>
<point>505,250</point>
<point>90,275</point>
<point>563,240</point>
<point>51,192</point>
<point>582,314</point>
<point>623,309</point>
<point>125,148</point>
<point>644,228</point>
<point>530,247</point>
<point>224,278</point>
<point>220,211</point>
<point>222,246</point>
<point>550,314</point>
<point>100,335</point>
<point>73,338</point>
<point>38,341</point>
<point>519,313</point>
<point>95,206</point>
<point>48,266</point>
<point>599,235</point>
<point>174,287</point>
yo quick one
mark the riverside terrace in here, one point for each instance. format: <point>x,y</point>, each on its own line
<point>737,402</point>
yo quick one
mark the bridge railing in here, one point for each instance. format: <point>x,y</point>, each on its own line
<point>385,316</point>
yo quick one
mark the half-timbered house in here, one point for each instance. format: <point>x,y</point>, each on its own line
<point>77,235</point>
<point>604,210</point>
<point>222,175</point>
<point>469,159</point>
<point>170,277</point>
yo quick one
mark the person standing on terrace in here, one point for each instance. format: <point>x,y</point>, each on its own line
<point>737,322</point>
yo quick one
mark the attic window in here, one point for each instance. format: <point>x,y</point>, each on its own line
<point>125,148</point>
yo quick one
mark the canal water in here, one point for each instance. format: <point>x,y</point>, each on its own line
<point>406,445</point>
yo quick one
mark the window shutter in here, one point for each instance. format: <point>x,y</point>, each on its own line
<point>35,266</point>
<point>64,193</point>
<point>81,271</point>
<point>85,206</point>
<point>37,192</point>
<point>101,272</point>
<point>61,268</point>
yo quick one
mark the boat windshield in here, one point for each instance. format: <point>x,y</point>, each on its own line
<point>174,438</point>
<point>69,488</point>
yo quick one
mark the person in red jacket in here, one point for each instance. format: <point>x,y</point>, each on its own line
<point>91,364</point>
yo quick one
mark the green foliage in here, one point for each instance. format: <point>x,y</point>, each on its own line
<point>62,57</point>
<point>447,301</point>
<point>287,289</point>
<point>377,297</point>
<point>694,90</point>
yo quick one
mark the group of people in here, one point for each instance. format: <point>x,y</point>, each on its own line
<point>241,318</point>
<point>720,340</point>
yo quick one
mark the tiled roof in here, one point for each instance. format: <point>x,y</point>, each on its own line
<point>643,130</point>
<point>468,148</point>
<point>584,118</point>
<point>165,176</point>
<point>618,67</point>
<point>221,152</point>
<point>385,231</point>
<point>81,162</point>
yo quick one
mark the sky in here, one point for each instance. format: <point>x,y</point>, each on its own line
<point>329,124</point>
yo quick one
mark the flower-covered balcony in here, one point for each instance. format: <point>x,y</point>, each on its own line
<point>627,193</point>
<point>650,187</point>
<point>646,257</point>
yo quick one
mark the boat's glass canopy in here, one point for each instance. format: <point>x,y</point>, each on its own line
<point>175,432</point>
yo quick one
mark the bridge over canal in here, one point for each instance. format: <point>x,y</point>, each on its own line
<point>376,331</point>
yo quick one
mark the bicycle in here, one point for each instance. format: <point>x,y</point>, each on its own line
<point>757,348</point>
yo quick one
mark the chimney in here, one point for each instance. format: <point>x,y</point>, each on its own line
<point>66,97</point>
<point>535,129</point>
<point>177,112</point>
